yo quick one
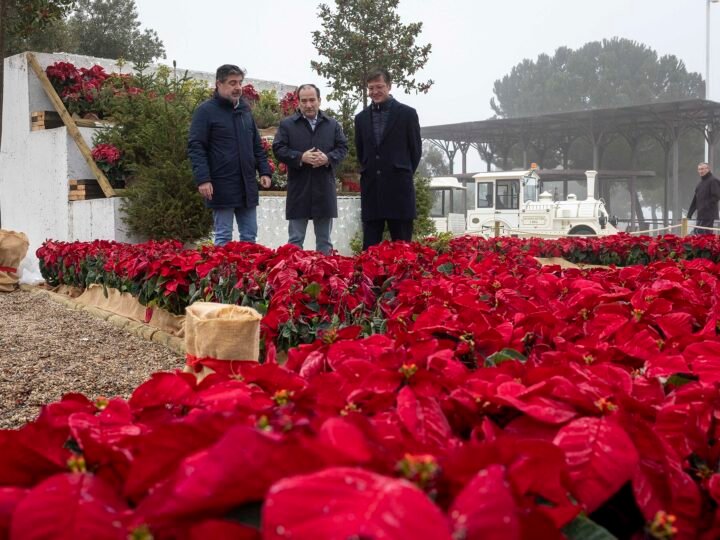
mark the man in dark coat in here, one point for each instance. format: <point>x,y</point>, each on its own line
<point>705,200</point>
<point>225,151</point>
<point>389,147</point>
<point>312,145</point>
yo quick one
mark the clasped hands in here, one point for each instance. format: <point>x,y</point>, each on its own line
<point>315,158</point>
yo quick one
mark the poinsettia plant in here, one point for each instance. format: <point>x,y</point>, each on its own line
<point>279,170</point>
<point>467,392</point>
<point>289,103</point>
<point>109,159</point>
<point>79,88</point>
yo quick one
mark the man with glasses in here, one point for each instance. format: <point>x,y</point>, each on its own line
<point>225,151</point>
<point>389,147</point>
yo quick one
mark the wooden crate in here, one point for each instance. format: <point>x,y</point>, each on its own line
<point>51,119</point>
<point>82,190</point>
<point>45,120</point>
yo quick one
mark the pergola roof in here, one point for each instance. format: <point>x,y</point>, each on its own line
<point>654,117</point>
<point>664,122</point>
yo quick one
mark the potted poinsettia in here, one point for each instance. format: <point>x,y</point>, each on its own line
<point>279,170</point>
<point>348,173</point>
<point>109,160</point>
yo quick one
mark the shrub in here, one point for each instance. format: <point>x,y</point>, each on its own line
<point>151,131</point>
<point>267,110</point>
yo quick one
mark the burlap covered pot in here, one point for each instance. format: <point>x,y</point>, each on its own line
<point>217,336</point>
<point>13,248</point>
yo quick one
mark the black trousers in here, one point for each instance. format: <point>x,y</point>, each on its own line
<point>704,223</point>
<point>400,229</point>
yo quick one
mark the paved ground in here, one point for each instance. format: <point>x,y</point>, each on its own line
<point>48,349</point>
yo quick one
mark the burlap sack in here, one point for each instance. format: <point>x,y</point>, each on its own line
<point>564,263</point>
<point>13,248</point>
<point>167,322</point>
<point>219,335</point>
<point>126,305</point>
<point>68,290</point>
<point>123,304</point>
<point>559,261</point>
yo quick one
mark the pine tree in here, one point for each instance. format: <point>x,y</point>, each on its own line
<point>364,34</point>
<point>151,131</point>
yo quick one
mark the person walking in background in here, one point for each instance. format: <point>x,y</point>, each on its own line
<point>225,152</point>
<point>389,147</point>
<point>705,200</point>
<point>312,145</point>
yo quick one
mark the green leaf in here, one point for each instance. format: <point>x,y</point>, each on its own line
<point>505,355</point>
<point>313,290</point>
<point>680,379</point>
<point>446,268</point>
<point>388,284</point>
<point>583,528</point>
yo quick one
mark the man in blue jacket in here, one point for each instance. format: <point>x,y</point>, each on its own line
<point>225,151</point>
<point>312,145</point>
<point>389,147</point>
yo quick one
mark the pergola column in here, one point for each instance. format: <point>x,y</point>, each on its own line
<point>597,138</point>
<point>564,145</point>
<point>676,175</point>
<point>450,148</point>
<point>526,142</point>
<point>485,153</point>
<point>464,146</point>
<point>670,141</point>
<point>541,145</point>
<point>633,137</point>
<point>711,132</point>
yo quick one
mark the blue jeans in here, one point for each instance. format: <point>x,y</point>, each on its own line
<point>223,224</point>
<point>323,228</point>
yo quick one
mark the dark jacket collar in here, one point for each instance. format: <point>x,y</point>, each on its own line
<point>228,104</point>
<point>299,116</point>
<point>384,106</point>
<point>706,176</point>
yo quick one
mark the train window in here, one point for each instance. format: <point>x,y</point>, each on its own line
<point>508,195</point>
<point>484,195</point>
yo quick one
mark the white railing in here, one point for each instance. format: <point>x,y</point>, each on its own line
<point>494,231</point>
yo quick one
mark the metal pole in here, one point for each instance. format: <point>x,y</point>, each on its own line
<point>676,205</point>
<point>707,68</point>
<point>707,50</point>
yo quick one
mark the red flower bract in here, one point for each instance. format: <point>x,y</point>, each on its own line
<point>346,503</point>
<point>509,395</point>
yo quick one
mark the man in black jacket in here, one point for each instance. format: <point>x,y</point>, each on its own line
<point>389,147</point>
<point>705,200</point>
<point>312,145</point>
<point>225,151</point>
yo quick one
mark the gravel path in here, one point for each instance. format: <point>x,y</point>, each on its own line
<point>47,350</point>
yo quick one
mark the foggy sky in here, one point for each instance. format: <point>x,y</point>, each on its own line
<point>474,42</point>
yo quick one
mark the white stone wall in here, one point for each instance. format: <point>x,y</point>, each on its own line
<point>273,227</point>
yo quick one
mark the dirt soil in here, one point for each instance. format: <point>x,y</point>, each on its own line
<point>47,350</point>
